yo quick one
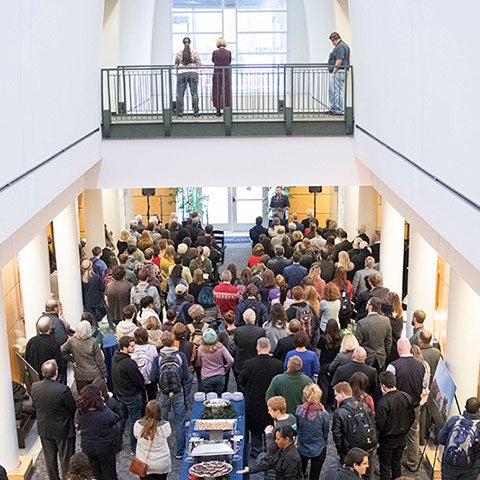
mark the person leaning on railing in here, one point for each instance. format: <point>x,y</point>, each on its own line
<point>186,61</point>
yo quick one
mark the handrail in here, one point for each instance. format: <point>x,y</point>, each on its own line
<point>288,93</point>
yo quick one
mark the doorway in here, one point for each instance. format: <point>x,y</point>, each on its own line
<point>234,209</point>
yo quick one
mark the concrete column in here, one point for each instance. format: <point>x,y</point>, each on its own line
<point>65,227</point>
<point>35,288</point>
<point>391,265</point>
<point>463,332</point>
<point>368,209</point>
<point>94,230</point>
<point>422,279</point>
<point>129,206</point>
<point>162,48</point>
<point>135,32</point>
<point>112,211</point>
<point>348,199</point>
<point>8,438</point>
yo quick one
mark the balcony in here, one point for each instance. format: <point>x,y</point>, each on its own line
<point>263,100</point>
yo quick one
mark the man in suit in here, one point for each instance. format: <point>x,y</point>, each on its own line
<point>245,338</point>
<point>43,347</point>
<point>374,333</point>
<point>55,407</point>
<point>358,284</point>
<point>343,373</point>
<point>294,273</point>
<point>279,262</point>
<point>343,244</point>
<point>254,379</point>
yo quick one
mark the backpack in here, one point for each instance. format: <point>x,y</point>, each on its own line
<point>346,308</point>
<point>196,332</point>
<point>138,294</point>
<point>180,311</point>
<point>170,373</point>
<point>463,443</point>
<point>144,362</point>
<point>361,429</point>
<point>307,320</point>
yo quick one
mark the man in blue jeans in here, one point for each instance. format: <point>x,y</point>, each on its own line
<point>338,60</point>
<point>128,386</point>
<point>173,376</point>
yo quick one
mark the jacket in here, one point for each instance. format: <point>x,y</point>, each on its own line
<point>55,407</point>
<point>394,417</point>
<point>159,460</point>
<point>287,464</point>
<point>341,473</point>
<point>87,357</point>
<point>245,338</point>
<point>290,386</point>
<point>126,377</point>
<point>343,374</point>
<point>374,333</point>
<point>340,425</point>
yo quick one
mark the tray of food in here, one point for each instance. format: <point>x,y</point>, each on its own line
<point>216,424</point>
<point>210,469</point>
<point>216,403</point>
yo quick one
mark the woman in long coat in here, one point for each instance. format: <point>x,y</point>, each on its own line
<point>221,57</point>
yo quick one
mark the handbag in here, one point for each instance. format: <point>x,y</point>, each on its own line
<point>137,467</point>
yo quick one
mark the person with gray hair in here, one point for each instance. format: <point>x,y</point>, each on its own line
<point>87,359</point>
<point>43,347</point>
<point>358,283</point>
<point>225,294</point>
<point>254,380</point>
<point>59,328</point>
<point>55,408</point>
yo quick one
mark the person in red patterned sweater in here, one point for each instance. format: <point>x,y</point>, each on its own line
<point>225,294</point>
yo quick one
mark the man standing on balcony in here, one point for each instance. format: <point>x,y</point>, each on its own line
<point>338,60</point>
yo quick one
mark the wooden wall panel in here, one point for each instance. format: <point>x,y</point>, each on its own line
<point>327,203</point>
<point>159,204</point>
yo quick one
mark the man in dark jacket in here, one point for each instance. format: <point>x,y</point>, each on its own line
<point>43,347</point>
<point>357,364</point>
<point>59,330</point>
<point>394,416</point>
<point>55,407</point>
<point>279,262</point>
<point>342,416</point>
<point>355,466</point>
<point>257,230</point>
<point>294,273</point>
<point>245,338</point>
<point>254,379</point>
<point>128,385</point>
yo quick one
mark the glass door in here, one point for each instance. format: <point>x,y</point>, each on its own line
<point>247,203</point>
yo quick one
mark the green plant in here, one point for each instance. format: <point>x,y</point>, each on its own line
<point>188,200</point>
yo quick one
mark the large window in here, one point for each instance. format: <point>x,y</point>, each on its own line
<point>255,30</point>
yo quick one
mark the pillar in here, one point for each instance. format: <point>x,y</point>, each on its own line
<point>65,227</point>
<point>94,229</point>
<point>8,438</point>
<point>113,215</point>
<point>35,288</point>
<point>367,209</point>
<point>162,47</point>
<point>463,332</point>
<point>422,279</point>
<point>391,265</point>
<point>129,206</point>
<point>348,209</point>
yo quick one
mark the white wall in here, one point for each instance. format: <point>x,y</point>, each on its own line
<point>229,161</point>
<point>416,83</point>
<point>50,78</point>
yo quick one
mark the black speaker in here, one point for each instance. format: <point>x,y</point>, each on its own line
<point>148,192</point>
<point>315,189</point>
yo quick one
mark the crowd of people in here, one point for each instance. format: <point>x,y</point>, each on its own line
<point>311,334</point>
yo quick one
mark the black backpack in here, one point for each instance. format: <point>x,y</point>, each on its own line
<point>170,373</point>
<point>255,306</point>
<point>463,446</point>
<point>361,429</point>
<point>346,308</point>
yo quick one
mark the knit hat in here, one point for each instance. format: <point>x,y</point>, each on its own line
<point>209,336</point>
<point>180,289</point>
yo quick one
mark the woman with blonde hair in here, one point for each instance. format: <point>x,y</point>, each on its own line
<point>317,281</point>
<point>197,284</point>
<point>153,328</point>
<point>152,435</point>
<point>347,346</point>
<point>87,359</point>
<point>345,262</point>
<point>123,240</point>
<point>312,428</point>
<point>166,261</point>
<point>214,361</point>
<point>221,58</point>
<point>93,291</point>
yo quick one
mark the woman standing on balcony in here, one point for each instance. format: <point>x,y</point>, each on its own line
<point>186,62</point>
<point>221,57</point>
